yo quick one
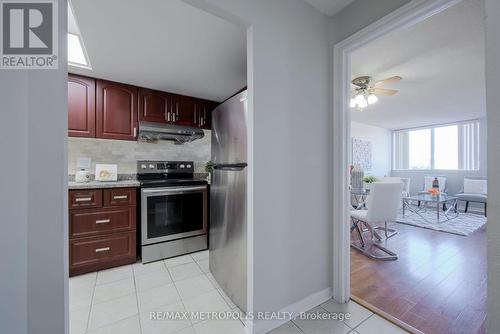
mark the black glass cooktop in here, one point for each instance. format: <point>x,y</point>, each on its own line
<point>171,182</point>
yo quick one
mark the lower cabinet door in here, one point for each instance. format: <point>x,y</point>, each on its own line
<point>96,253</point>
<point>92,222</point>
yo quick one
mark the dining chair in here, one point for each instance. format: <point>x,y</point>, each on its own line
<point>382,207</point>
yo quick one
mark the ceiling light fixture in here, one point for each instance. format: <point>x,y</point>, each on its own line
<point>372,98</point>
<point>353,103</point>
<point>363,104</point>
<point>362,99</point>
<point>365,91</point>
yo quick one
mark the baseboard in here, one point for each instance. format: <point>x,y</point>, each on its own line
<point>386,316</point>
<point>264,326</point>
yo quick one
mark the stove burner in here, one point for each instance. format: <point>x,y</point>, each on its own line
<point>167,174</point>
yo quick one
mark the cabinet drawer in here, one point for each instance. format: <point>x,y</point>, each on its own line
<point>119,197</point>
<point>85,199</point>
<point>96,253</point>
<point>89,222</point>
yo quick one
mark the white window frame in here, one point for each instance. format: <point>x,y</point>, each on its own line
<point>476,160</point>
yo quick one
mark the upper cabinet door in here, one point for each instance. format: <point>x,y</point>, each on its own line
<point>117,106</point>
<point>204,113</point>
<point>154,106</point>
<point>184,110</point>
<point>81,106</point>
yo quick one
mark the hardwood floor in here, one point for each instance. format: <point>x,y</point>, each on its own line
<point>438,284</point>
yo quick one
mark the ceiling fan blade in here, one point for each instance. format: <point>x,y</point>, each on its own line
<point>388,80</point>
<point>383,91</point>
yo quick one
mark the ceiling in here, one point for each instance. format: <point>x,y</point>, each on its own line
<point>165,45</point>
<point>441,61</point>
<point>329,7</point>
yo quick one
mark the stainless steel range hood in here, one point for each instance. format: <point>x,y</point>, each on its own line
<point>180,134</point>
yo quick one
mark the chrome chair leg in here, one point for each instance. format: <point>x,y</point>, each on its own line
<point>376,241</point>
<point>388,232</point>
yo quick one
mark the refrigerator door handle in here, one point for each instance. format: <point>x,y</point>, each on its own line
<point>231,167</point>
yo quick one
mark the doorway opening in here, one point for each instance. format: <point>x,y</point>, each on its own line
<point>391,125</point>
<point>141,95</point>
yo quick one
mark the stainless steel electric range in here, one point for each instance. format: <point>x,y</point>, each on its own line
<point>174,209</point>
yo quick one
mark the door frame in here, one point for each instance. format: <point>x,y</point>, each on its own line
<point>406,16</point>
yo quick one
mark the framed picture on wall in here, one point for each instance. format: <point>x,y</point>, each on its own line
<point>362,153</point>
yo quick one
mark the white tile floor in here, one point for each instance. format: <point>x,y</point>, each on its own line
<point>361,321</point>
<point>119,301</point>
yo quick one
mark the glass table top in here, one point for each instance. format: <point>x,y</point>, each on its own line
<point>431,198</point>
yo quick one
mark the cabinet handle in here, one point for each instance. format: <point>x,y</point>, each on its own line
<point>104,249</point>
<point>83,199</point>
<point>102,221</point>
<point>168,116</point>
<point>135,131</point>
<point>120,197</point>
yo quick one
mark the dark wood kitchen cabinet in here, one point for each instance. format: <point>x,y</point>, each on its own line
<point>184,110</point>
<point>154,106</point>
<point>102,229</point>
<point>204,113</point>
<point>191,111</point>
<point>111,110</point>
<point>116,110</point>
<point>81,106</point>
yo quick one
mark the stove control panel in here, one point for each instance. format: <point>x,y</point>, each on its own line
<point>160,167</point>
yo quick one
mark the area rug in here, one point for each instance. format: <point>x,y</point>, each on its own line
<point>464,224</point>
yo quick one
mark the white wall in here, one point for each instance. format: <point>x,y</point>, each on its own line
<point>289,90</point>
<point>33,200</point>
<point>493,107</point>
<point>288,75</point>
<point>358,15</point>
<point>381,140</point>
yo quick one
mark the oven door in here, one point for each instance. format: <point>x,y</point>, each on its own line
<point>173,213</point>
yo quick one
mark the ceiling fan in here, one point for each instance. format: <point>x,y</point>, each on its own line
<point>366,90</point>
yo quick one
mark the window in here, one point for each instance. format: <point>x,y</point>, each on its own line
<point>450,147</point>
<point>76,53</point>
<point>446,147</point>
<point>77,56</point>
<point>419,143</point>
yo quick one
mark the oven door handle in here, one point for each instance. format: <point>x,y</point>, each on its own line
<point>178,190</point>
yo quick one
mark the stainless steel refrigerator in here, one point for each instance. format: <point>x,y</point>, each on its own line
<point>228,198</point>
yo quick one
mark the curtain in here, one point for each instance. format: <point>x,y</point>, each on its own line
<point>401,154</point>
<point>468,148</point>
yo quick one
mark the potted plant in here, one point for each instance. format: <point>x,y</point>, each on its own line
<point>368,180</point>
<point>209,168</point>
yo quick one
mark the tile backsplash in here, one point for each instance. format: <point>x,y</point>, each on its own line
<point>126,153</point>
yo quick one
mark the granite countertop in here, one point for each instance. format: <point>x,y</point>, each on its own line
<point>124,181</point>
<point>98,184</point>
